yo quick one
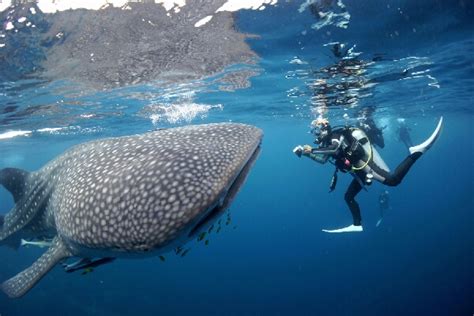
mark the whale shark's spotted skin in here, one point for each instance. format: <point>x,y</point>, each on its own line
<point>128,195</point>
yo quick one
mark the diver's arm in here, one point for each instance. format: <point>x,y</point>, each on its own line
<point>320,158</point>
<point>329,150</point>
<point>306,151</point>
<point>321,154</point>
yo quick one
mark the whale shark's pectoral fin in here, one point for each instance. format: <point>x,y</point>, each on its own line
<point>25,280</point>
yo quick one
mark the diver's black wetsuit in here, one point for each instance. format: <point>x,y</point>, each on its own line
<point>331,147</point>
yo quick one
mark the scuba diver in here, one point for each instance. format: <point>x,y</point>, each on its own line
<point>404,133</point>
<point>384,204</point>
<point>367,124</point>
<point>350,150</point>
<point>373,132</point>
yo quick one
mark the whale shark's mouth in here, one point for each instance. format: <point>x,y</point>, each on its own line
<point>224,202</point>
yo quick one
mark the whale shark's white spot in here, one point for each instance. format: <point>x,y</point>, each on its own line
<point>9,26</point>
<point>4,4</point>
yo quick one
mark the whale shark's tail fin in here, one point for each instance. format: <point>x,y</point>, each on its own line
<point>23,282</point>
<point>14,180</point>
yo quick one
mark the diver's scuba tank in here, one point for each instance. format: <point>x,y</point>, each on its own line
<point>358,148</point>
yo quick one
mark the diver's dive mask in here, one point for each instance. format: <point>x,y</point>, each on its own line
<point>321,132</point>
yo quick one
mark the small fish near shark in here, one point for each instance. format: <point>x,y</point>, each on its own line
<point>129,196</point>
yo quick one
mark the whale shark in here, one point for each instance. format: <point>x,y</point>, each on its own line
<point>129,196</point>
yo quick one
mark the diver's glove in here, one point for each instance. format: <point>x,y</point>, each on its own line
<point>303,150</point>
<point>298,150</point>
<point>307,149</point>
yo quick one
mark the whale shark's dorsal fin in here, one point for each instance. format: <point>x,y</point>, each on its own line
<point>14,180</point>
<point>23,282</point>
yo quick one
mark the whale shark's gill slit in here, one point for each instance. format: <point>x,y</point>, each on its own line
<point>216,211</point>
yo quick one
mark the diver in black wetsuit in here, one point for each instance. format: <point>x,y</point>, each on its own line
<point>350,150</point>
<point>367,124</point>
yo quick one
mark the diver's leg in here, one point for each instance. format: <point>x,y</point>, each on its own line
<point>395,178</point>
<point>349,197</point>
<point>352,191</point>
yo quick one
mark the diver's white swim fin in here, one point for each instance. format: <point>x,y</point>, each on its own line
<point>423,147</point>
<point>348,229</point>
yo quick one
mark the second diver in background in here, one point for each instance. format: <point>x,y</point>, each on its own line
<point>384,205</point>
<point>404,133</point>
<point>350,150</point>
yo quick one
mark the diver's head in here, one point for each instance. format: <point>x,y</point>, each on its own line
<point>321,129</point>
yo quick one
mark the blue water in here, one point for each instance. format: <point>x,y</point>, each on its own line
<point>273,259</point>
